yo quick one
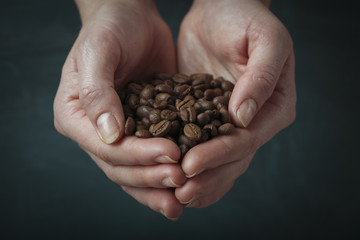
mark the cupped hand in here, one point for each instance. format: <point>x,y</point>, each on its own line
<point>120,40</point>
<point>245,43</point>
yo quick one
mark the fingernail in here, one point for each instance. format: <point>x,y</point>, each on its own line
<point>195,203</point>
<point>107,128</point>
<point>168,182</point>
<point>165,159</point>
<point>246,112</point>
<point>187,202</point>
<point>195,173</point>
<point>163,213</point>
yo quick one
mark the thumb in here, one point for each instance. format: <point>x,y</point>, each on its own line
<point>257,83</point>
<point>97,64</point>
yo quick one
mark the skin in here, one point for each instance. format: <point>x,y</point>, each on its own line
<point>123,40</point>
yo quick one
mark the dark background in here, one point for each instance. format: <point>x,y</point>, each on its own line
<point>303,183</point>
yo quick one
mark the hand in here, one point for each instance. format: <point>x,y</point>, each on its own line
<point>245,43</point>
<point>120,40</point>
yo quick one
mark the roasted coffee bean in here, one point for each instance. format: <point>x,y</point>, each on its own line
<point>146,121</point>
<point>175,127</point>
<point>160,105</point>
<point>156,82</point>
<point>143,111</point>
<point>162,97</point>
<point>135,88</point>
<point>164,88</point>
<point>181,78</point>
<point>133,101</point>
<point>184,103</point>
<point>183,149</point>
<point>192,131</point>
<point>129,126</point>
<point>167,114</point>
<point>204,135</point>
<point>221,99</point>
<point>198,94</point>
<point>212,113</point>
<point>188,114</point>
<point>226,129</point>
<point>227,94</point>
<point>143,133</point>
<point>186,141</point>
<point>170,83</point>
<point>140,126</point>
<point>182,90</point>
<point>128,111</point>
<point>216,122</point>
<point>203,118</point>
<point>201,87</point>
<point>227,86</point>
<point>205,77</point>
<point>211,129</point>
<point>161,128</point>
<point>203,105</point>
<point>147,92</point>
<point>215,83</point>
<point>225,117</point>
<point>154,116</point>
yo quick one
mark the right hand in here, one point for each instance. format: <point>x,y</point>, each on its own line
<point>120,40</point>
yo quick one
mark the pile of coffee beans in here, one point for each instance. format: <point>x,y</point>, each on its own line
<point>185,109</point>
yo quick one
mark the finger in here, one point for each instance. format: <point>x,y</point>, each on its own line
<point>256,85</point>
<point>98,59</point>
<point>210,181</point>
<point>157,176</point>
<point>160,200</point>
<point>277,113</point>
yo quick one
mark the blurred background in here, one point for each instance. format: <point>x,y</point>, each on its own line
<point>303,183</point>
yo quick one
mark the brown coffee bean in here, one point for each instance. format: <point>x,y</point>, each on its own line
<point>188,114</point>
<point>162,97</point>
<point>192,131</point>
<point>146,121</point>
<point>161,128</point>
<point>133,101</point>
<point>181,78</point>
<point>226,129</point>
<point>221,99</point>
<point>184,103</point>
<point>170,83</point>
<point>167,114</point>
<point>128,111</point>
<point>198,94</point>
<point>216,122</point>
<point>204,105</point>
<point>164,88</point>
<point>143,133</point>
<point>186,141</point>
<point>155,116</point>
<point>182,90</point>
<point>156,82</point>
<point>205,77</point>
<point>209,94</point>
<point>160,105</point>
<point>212,113</point>
<point>135,88</point>
<point>183,149</point>
<point>212,130</point>
<point>227,86</point>
<point>203,119</point>
<point>184,115</point>
<point>225,117</point>
<point>140,126</point>
<point>205,135</point>
<point>143,111</point>
<point>162,76</point>
<point>227,94</point>
<point>201,87</point>
<point>147,92</point>
<point>215,83</point>
<point>175,127</point>
<point>129,126</point>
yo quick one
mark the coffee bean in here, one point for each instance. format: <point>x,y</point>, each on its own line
<point>227,86</point>
<point>143,111</point>
<point>154,116</point>
<point>188,114</point>
<point>226,129</point>
<point>181,78</point>
<point>161,128</point>
<point>162,97</point>
<point>203,118</point>
<point>143,133</point>
<point>192,131</point>
<point>227,94</point>
<point>175,127</point>
<point>201,87</point>
<point>183,149</point>
<point>221,99</point>
<point>135,88</point>
<point>185,103</point>
<point>205,77</point>
<point>182,90</point>
<point>167,114</point>
<point>147,92</point>
<point>215,83</point>
<point>225,117</point>
<point>129,126</point>
<point>211,129</point>
<point>216,122</point>
<point>160,104</point>
<point>164,88</point>
<point>186,141</point>
<point>198,94</point>
<point>133,101</point>
<point>146,121</point>
<point>212,113</point>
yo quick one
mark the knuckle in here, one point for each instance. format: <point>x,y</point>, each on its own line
<point>266,79</point>
<point>89,95</point>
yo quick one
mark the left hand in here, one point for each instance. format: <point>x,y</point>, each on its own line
<point>245,43</point>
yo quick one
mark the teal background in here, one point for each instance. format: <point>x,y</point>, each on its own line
<point>302,184</point>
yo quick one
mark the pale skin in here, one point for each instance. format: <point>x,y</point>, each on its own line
<point>122,40</point>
